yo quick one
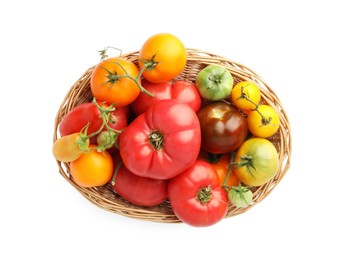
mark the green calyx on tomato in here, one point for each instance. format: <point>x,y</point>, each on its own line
<point>214,82</point>
<point>204,195</point>
<point>156,139</point>
<point>240,196</point>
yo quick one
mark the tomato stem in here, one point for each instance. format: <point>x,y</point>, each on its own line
<point>231,163</point>
<point>114,77</point>
<point>105,115</point>
<point>156,139</point>
<point>118,166</point>
<point>204,195</point>
<point>103,53</point>
<point>149,64</point>
<point>265,121</point>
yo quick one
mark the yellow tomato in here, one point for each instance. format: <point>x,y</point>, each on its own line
<point>264,123</point>
<point>245,89</point>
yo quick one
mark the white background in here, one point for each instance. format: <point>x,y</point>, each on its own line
<point>296,46</point>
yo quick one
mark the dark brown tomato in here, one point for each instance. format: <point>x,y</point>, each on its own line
<point>223,127</point>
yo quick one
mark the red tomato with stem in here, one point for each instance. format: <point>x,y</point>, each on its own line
<point>85,113</point>
<point>181,90</point>
<point>136,189</point>
<point>162,142</point>
<point>196,195</point>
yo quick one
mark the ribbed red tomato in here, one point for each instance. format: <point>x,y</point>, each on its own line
<point>163,141</point>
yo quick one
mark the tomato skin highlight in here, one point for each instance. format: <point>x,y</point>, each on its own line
<point>162,142</point>
<point>184,193</point>
<point>136,189</point>
<point>118,91</point>
<point>167,53</point>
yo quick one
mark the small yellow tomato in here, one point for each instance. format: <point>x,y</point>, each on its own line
<point>264,123</point>
<point>245,89</point>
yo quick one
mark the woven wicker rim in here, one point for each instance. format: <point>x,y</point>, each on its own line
<point>106,199</point>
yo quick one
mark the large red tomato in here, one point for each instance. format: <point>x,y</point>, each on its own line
<point>162,142</point>
<point>196,195</point>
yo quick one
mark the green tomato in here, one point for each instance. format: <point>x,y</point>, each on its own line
<point>240,196</point>
<point>214,82</point>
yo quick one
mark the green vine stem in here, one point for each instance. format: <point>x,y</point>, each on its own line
<point>113,77</point>
<point>105,115</point>
<point>265,120</point>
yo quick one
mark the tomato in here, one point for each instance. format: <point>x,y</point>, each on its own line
<point>165,57</point>
<point>67,148</point>
<point>187,93</point>
<point>161,91</point>
<point>181,90</point>
<point>257,161</point>
<point>196,196</point>
<point>135,189</point>
<point>214,82</point>
<point>76,119</point>
<point>245,89</point>
<point>266,127</point>
<point>221,163</point>
<point>162,142</point>
<point>223,127</point>
<point>92,169</point>
<point>109,84</point>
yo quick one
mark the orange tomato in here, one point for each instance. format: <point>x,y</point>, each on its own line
<point>221,166</point>
<point>109,84</point>
<point>165,56</point>
<point>92,169</point>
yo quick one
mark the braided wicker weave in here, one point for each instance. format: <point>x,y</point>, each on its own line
<point>106,199</point>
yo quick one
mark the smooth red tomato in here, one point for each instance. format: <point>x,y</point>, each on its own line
<point>184,91</point>
<point>92,169</point>
<point>109,84</point>
<point>162,142</point>
<point>165,56</point>
<point>196,195</point>
<point>88,113</point>
<point>136,189</point>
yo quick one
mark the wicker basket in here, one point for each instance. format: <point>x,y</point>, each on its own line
<point>105,198</point>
